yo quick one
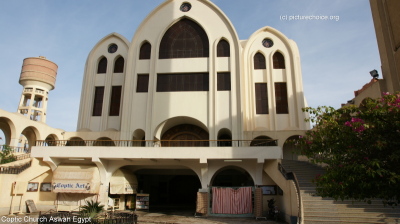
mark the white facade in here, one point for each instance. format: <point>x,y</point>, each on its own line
<point>143,134</point>
<point>215,110</point>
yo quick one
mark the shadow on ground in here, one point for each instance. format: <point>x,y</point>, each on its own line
<point>182,216</point>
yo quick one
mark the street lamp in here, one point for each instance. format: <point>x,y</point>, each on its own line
<point>374,73</point>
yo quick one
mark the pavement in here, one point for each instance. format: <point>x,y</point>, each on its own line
<point>184,217</point>
<point>152,217</point>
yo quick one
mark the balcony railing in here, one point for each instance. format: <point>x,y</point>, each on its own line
<point>15,149</point>
<point>15,169</point>
<point>292,176</point>
<point>159,143</point>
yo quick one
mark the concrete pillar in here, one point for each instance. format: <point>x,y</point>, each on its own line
<point>259,173</point>
<point>204,175</point>
<point>104,181</point>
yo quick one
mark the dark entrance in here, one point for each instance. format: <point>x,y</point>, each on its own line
<point>169,189</point>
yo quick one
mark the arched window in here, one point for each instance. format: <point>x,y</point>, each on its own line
<point>104,141</point>
<point>102,66</point>
<point>223,49</point>
<point>224,138</point>
<point>119,65</point>
<point>138,135</point>
<point>145,51</point>
<point>185,39</point>
<point>76,141</point>
<point>185,135</point>
<point>264,141</point>
<point>279,61</point>
<point>259,61</point>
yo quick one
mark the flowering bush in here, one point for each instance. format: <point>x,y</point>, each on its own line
<point>361,148</point>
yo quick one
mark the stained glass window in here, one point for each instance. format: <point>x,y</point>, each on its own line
<point>185,39</point>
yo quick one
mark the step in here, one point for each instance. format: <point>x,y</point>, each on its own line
<point>356,218</point>
<point>352,212</point>
<point>313,198</point>
<point>301,166</point>
<point>306,185</point>
<point>326,210</point>
<point>318,206</point>
<point>303,169</point>
<point>320,221</point>
<point>305,181</point>
<point>341,208</point>
<point>340,202</point>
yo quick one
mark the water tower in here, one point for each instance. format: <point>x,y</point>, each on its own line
<point>38,77</point>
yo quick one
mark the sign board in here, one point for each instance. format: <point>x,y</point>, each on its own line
<point>31,206</point>
<point>71,187</point>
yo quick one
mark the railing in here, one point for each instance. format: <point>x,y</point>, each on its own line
<point>15,169</point>
<point>159,143</point>
<point>22,156</point>
<point>292,176</point>
<point>16,149</point>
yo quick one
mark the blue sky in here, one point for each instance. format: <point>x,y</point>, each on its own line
<point>336,54</point>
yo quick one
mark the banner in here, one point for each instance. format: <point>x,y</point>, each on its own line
<point>76,179</point>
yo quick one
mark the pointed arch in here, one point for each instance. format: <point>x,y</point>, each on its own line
<point>102,66</point>
<point>223,49</point>
<point>184,39</point>
<point>145,51</point>
<point>259,61</point>
<point>278,60</point>
<point>119,65</point>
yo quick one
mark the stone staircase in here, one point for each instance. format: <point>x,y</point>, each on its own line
<point>327,210</point>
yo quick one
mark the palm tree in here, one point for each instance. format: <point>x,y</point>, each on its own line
<point>91,209</point>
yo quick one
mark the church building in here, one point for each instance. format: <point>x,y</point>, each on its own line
<point>185,114</point>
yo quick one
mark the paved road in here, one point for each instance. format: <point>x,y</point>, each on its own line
<point>154,217</point>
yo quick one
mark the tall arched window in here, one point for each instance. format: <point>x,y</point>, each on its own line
<point>102,66</point>
<point>185,39</point>
<point>279,61</point>
<point>119,65</point>
<point>223,49</point>
<point>145,51</point>
<point>259,61</point>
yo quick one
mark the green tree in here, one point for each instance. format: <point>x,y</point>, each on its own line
<point>361,148</point>
<point>6,155</point>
